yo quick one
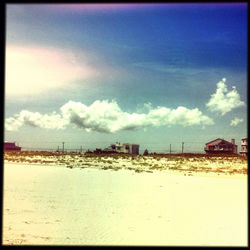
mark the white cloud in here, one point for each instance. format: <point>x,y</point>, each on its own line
<point>33,70</point>
<point>236,121</point>
<point>223,100</point>
<point>107,117</point>
<point>35,119</point>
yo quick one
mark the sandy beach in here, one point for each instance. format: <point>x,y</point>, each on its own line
<point>51,204</point>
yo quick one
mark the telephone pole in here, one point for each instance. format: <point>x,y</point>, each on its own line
<point>170,149</point>
<point>182,150</point>
<point>63,147</point>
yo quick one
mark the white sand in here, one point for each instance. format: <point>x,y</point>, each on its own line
<point>49,205</point>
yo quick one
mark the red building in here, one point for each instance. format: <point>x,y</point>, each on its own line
<point>221,146</point>
<point>11,146</point>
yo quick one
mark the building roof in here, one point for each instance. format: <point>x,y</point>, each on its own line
<point>12,143</point>
<point>217,141</point>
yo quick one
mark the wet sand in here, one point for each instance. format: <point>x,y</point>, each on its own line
<point>55,205</point>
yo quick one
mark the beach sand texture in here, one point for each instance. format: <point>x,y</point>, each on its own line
<point>55,205</point>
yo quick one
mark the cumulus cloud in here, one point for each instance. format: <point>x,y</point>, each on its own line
<point>236,121</point>
<point>35,119</point>
<point>35,69</point>
<point>107,117</point>
<point>223,100</point>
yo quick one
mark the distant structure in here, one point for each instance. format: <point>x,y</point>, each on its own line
<point>123,148</point>
<point>221,146</point>
<point>244,146</point>
<point>11,146</point>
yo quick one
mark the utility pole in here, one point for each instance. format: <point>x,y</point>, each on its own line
<point>170,149</point>
<point>58,149</point>
<point>63,147</point>
<point>81,149</point>
<point>182,147</point>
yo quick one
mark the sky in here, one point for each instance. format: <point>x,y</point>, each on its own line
<point>90,75</point>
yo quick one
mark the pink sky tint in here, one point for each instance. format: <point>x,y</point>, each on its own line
<point>33,70</point>
<point>96,7</point>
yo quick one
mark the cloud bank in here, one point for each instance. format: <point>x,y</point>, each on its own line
<point>222,100</point>
<point>236,121</point>
<point>107,117</point>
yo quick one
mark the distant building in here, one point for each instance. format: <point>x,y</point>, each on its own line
<point>244,146</point>
<point>221,146</point>
<point>11,146</point>
<point>123,148</point>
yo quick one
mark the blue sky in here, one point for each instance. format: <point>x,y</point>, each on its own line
<point>152,74</point>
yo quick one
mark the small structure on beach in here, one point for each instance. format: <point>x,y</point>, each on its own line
<point>11,146</point>
<point>123,148</point>
<point>221,146</point>
<point>244,146</point>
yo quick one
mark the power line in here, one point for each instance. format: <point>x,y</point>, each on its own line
<point>152,146</point>
<point>143,143</point>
